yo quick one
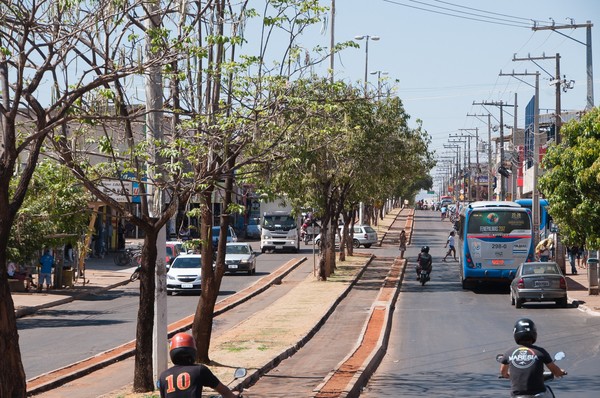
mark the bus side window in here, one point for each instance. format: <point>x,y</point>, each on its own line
<point>459,225</point>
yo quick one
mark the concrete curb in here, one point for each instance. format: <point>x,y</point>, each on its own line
<point>58,377</point>
<point>25,311</point>
<point>255,376</point>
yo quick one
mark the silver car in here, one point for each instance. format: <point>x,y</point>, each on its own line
<point>239,257</point>
<point>363,235</point>
<point>538,281</point>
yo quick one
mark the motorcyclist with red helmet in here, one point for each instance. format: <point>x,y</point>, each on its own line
<point>186,378</point>
<point>524,364</point>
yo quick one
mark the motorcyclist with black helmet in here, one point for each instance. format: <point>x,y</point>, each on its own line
<point>424,261</point>
<point>524,364</point>
<point>186,378</point>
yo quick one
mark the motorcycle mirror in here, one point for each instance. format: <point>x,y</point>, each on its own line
<point>559,355</point>
<point>239,373</point>
<point>499,358</point>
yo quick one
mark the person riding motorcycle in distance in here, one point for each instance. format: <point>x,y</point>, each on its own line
<point>186,378</point>
<point>524,364</point>
<point>424,261</point>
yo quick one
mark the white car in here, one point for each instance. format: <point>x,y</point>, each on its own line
<point>363,235</point>
<point>184,274</point>
<point>239,257</point>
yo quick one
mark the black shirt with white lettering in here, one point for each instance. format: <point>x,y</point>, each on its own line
<point>526,368</point>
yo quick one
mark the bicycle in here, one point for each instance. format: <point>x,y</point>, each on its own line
<point>128,257</point>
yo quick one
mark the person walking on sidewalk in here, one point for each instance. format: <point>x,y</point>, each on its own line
<point>402,243</point>
<point>186,378</point>
<point>46,263</point>
<point>450,245</point>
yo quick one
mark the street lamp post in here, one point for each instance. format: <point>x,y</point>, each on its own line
<point>366,38</point>
<point>379,73</point>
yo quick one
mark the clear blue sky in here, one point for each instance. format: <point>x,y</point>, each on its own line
<point>445,63</point>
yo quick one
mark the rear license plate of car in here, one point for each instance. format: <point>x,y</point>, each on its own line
<point>279,247</point>
<point>542,283</point>
<point>232,266</point>
<point>187,286</point>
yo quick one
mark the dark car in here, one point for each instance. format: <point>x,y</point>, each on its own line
<point>538,281</point>
<point>253,228</point>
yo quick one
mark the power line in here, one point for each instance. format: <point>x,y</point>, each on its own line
<point>489,19</point>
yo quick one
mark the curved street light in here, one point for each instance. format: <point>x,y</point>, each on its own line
<point>366,38</point>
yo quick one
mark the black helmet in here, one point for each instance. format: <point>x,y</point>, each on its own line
<point>425,249</point>
<point>525,331</point>
<point>182,349</point>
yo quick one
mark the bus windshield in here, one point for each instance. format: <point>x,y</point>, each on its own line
<point>498,222</point>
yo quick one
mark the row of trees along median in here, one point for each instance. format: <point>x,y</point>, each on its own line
<point>224,114</point>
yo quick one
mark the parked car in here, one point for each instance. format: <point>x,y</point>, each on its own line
<point>231,235</point>
<point>538,281</point>
<point>173,249</point>
<point>363,235</point>
<point>239,257</point>
<point>253,228</point>
<point>184,274</point>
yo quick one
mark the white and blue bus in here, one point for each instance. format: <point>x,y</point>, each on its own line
<point>545,218</point>
<point>493,239</point>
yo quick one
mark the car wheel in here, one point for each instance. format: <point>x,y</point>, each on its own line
<point>512,299</point>
<point>318,243</point>
<point>262,250</point>
<point>169,293</point>
<point>367,245</point>
<point>518,303</point>
<point>356,244</point>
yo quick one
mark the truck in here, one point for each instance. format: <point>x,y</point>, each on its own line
<point>279,227</point>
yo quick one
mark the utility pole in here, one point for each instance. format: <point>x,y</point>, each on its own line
<point>154,123</point>
<point>489,152</point>
<point>332,42</point>
<point>588,44</point>
<point>469,136</point>
<point>500,104</point>
<point>557,82</point>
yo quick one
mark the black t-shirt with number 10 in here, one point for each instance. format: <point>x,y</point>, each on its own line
<point>186,381</point>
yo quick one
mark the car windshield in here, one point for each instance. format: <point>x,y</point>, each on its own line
<point>217,230</point>
<point>254,221</point>
<point>187,262</point>
<point>237,249</point>
<point>368,229</point>
<point>539,269</point>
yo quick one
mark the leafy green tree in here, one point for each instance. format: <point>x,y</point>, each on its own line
<point>571,180</point>
<point>52,207</point>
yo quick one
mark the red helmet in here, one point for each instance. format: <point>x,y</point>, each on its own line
<point>182,349</point>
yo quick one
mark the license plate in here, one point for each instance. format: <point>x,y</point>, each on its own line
<point>278,246</point>
<point>187,286</point>
<point>233,266</point>
<point>542,283</point>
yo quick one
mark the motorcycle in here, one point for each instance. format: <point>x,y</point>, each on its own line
<point>548,376</point>
<point>239,373</point>
<point>423,277</point>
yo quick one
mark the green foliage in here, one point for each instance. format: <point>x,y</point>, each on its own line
<point>571,181</point>
<point>55,204</point>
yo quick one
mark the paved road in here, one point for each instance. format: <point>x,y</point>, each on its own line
<point>62,335</point>
<point>444,339</point>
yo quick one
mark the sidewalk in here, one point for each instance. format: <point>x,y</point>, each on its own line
<point>100,275</point>
<point>579,296</point>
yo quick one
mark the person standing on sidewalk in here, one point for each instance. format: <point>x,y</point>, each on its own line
<point>402,243</point>
<point>46,263</point>
<point>450,245</point>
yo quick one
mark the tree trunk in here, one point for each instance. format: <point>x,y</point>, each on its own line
<point>143,375</point>
<point>203,318</point>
